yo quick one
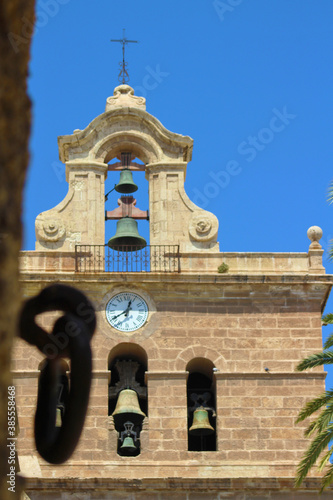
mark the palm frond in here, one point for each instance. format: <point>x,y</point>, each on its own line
<point>325,459</point>
<point>318,359</point>
<point>327,319</point>
<point>321,422</point>
<point>317,446</point>
<point>314,405</point>
<point>330,251</point>
<point>330,193</point>
<point>329,342</point>
<point>327,479</point>
<point>310,429</point>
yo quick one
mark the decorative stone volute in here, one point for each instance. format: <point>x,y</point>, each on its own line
<point>123,95</point>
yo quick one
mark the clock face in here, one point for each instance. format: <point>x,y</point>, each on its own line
<point>126,311</point>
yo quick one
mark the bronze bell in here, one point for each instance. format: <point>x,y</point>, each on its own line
<point>201,425</point>
<point>128,447</point>
<point>127,238</point>
<point>58,422</point>
<point>126,184</point>
<point>127,408</point>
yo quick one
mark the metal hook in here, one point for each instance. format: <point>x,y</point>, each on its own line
<point>70,337</point>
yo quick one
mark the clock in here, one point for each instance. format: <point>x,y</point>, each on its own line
<point>127,311</point>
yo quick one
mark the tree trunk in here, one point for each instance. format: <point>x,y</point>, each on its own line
<point>16,25</point>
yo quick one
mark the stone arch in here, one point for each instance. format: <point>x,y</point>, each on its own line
<point>199,351</point>
<point>201,400</point>
<point>141,146</point>
<point>127,349</point>
<point>203,365</point>
<point>135,124</point>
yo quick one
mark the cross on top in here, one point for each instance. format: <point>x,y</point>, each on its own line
<point>123,75</point>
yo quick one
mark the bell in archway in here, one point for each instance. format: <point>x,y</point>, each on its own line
<point>127,238</point>
<point>126,184</point>
<point>201,425</point>
<point>128,447</point>
<point>127,408</point>
<point>58,422</point>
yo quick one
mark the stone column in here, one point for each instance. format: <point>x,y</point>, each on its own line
<point>174,218</point>
<point>167,405</point>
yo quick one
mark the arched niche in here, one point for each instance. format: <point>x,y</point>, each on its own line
<point>201,395</point>
<point>63,388</point>
<point>127,363</point>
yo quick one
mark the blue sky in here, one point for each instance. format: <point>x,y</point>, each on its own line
<point>249,80</point>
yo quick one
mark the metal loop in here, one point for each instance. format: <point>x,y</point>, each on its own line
<point>70,337</point>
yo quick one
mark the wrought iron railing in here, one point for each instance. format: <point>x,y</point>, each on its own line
<point>152,258</point>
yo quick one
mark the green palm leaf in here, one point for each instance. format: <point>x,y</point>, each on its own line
<point>327,479</point>
<point>325,459</point>
<point>315,449</point>
<point>324,419</point>
<point>326,398</point>
<point>327,319</point>
<point>318,359</point>
<point>329,342</point>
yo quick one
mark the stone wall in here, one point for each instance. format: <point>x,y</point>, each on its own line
<point>253,333</point>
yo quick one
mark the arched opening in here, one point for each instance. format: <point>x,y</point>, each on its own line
<point>63,387</point>
<point>128,406</point>
<point>126,200</point>
<point>201,405</point>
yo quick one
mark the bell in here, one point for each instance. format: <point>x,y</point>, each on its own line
<point>201,425</point>
<point>127,237</point>
<point>58,418</point>
<point>128,447</point>
<point>126,184</point>
<point>127,408</point>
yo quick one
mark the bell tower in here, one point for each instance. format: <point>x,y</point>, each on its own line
<point>194,390</point>
<point>124,131</point>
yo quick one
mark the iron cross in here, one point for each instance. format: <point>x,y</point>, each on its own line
<point>123,75</point>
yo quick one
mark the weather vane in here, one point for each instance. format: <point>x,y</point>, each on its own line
<point>123,75</point>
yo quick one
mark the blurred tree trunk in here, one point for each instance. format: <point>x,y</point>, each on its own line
<point>16,22</point>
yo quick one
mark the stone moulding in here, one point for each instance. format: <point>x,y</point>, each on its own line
<point>125,121</point>
<point>174,485</point>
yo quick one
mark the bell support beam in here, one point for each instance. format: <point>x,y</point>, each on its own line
<point>126,208</point>
<point>134,167</point>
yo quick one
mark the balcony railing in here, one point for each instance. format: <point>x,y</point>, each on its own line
<point>152,258</point>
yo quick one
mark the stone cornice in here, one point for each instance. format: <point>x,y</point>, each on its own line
<point>174,484</point>
<point>270,375</point>
<point>184,375</point>
<point>182,277</point>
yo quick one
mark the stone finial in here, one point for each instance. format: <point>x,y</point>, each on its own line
<point>315,252</point>
<point>123,95</point>
<point>314,234</point>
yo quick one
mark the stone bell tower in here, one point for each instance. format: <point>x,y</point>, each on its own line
<point>194,391</point>
<point>125,126</point>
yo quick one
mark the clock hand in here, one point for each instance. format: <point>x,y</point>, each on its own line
<point>128,308</point>
<point>115,317</point>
